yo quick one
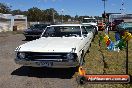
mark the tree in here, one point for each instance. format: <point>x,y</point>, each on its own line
<point>76,18</point>
<point>4,8</point>
<point>16,12</point>
<point>34,14</point>
<point>50,15</point>
<point>66,17</point>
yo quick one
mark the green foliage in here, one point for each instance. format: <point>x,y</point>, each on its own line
<point>4,8</point>
<point>34,14</point>
<point>16,12</point>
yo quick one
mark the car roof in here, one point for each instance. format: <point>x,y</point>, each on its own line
<point>67,25</point>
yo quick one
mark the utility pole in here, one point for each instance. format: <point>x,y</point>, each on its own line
<point>104,9</point>
<point>53,16</point>
<point>62,15</point>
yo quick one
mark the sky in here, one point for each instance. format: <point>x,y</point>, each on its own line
<point>72,7</point>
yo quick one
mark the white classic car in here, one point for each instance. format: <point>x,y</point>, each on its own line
<point>60,46</point>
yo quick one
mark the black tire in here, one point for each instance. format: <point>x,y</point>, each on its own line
<point>81,80</point>
<point>96,32</point>
<point>76,68</point>
<point>88,50</point>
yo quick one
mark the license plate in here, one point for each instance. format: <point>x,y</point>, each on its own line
<point>45,64</point>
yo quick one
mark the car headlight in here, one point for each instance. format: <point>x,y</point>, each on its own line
<point>21,55</point>
<point>70,56</point>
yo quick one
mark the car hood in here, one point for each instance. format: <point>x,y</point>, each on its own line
<point>54,44</point>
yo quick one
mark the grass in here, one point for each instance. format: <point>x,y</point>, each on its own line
<point>114,62</point>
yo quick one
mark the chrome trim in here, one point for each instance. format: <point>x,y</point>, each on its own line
<point>53,65</point>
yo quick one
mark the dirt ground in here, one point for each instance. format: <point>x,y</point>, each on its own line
<point>16,76</point>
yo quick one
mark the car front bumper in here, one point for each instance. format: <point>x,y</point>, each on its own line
<point>47,64</point>
<point>32,35</point>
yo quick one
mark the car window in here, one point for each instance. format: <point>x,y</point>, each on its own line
<point>60,31</point>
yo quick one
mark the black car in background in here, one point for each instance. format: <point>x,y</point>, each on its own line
<point>34,31</point>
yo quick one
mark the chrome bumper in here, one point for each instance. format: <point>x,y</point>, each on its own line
<point>47,64</point>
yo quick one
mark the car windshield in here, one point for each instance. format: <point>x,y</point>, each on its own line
<point>38,27</point>
<point>62,31</point>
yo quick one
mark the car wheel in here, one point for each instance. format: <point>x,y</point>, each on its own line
<point>76,68</point>
<point>96,32</point>
<point>88,50</point>
<point>81,80</point>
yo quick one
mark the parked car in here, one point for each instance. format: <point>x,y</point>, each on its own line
<point>34,31</point>
<point>115,23</point>
<point>92,28</point>
<point>60,46</point>
<point>124,26</point>
<point>91,21</point>
<point>101,25</point>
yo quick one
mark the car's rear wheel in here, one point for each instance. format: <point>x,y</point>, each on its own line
<point>81,80</point>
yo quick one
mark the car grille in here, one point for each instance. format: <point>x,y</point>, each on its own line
<point>46,56</point>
